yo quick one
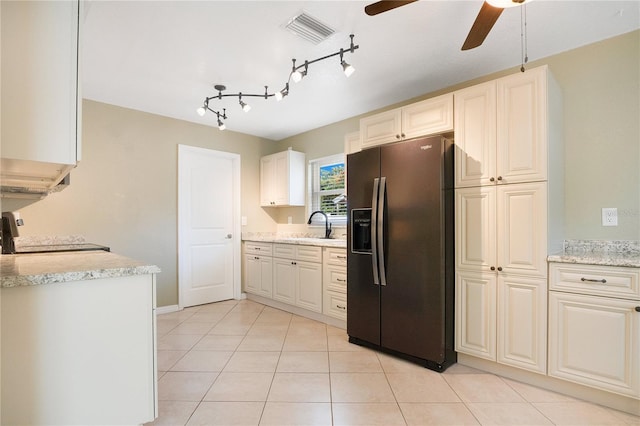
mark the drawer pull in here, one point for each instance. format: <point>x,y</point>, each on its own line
<point>603,281</point>
<point>257,248</point>
<point>344,307</point>
<point>256,257</point>
<point>341,257</point>
<point>341,280</point>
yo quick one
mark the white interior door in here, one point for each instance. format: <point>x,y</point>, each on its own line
<point>208,226</point>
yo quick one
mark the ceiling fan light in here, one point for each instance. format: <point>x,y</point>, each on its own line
<point>503,4</point>
<point>347,68</point>
<point>201,111</point>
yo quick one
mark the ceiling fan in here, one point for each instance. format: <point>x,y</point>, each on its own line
<point>488,15</point>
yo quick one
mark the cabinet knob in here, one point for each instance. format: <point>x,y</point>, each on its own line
<point>293,263</point>
<point>499,268</point>
<point>256,257</point>
<point>492,179</point>
<point>397,136</point>
<point>637,308</point>
<point>403,135</point>
<point>493,268</point>
<point>499,177</point>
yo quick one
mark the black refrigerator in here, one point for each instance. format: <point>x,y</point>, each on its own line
<point>400,248</point>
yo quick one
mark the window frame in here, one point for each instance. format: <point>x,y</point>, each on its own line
<point>313,189</point>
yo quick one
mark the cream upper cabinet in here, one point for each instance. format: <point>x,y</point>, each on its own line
<point>282,177</point>
<point>419,119</point>
<point>505,128</point>
<point>475,135</point>
<point>352,143</point>
<point>41,100</point>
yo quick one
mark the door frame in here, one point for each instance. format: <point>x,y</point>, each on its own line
<point>182,209</point>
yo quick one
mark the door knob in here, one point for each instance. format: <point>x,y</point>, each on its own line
<point>228,237</point>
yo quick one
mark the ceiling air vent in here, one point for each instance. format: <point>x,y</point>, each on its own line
<point>309,28</point>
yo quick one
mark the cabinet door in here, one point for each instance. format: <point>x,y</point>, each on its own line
<point>428,117</point>
<point>475,130</point>
<point>595,341</point>
<point>476,314</point>
<point>522,126</point>
<point>475,228</point>
<point>381,128</point>
<point>284,279</point>
<point>281,179</point>
<point>522,322</point>
<point>352,143</point>
<point>267,180</point>
<point>252,274</point>
<point>522,228</point>
<point>309,286</point>
<point>40,96</point>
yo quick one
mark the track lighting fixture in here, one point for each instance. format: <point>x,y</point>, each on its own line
<point>297,74</point>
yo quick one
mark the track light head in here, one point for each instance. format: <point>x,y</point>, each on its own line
<point>245,107</point>
<point>347,68</point>
<point>221,125</point>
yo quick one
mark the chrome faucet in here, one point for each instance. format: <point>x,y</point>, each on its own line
<point>327,225</point>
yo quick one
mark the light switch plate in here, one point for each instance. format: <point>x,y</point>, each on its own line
<point>610,216</point>
<point>244,221</point>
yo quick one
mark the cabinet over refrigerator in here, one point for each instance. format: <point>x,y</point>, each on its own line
<point>400,250</point>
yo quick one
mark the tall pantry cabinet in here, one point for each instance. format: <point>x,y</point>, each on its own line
<point>509,212</point>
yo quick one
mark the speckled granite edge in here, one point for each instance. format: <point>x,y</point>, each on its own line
<point>599,252</point>
<point>54,278</point>
<point>50,268</point>
<point>294,238</point>
<point>47,240</point>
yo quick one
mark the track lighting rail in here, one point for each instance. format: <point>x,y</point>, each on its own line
<point>297,73</point>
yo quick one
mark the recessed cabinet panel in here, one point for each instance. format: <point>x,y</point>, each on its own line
<point>522,322</point>
<point>522,126</point>
<point>475,133</point>
<point>476,314</point>
<point>476,228</point>
<point>381,128</point>
<point>284,280</point>
<point>309,286</point>
<point>522,228</point>
<point>594,341</point>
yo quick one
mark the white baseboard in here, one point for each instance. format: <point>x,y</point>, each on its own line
<point>167,309</point>
<point>298,311</point>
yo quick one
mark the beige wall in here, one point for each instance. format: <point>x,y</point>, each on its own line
<point>601,93</point>
<point>123,193</point>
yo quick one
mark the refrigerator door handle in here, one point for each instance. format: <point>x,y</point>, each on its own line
<point>374,220</point>
<point>380,231</point>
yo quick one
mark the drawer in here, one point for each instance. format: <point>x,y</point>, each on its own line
<point>309,253</point>
<point>335,256</point>
<point>298,252</point>
<point>287,251</point>
<point>336,278</point>
<point>596,280</point>
<point>335,305</point>
<point>252,247</point>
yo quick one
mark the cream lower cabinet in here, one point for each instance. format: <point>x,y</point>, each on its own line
<point>258,268</point>
<point>594,340</point>
<point>501,246</point>
<point>80,352</point>
<point>334,277</point>
<point>297,275</point>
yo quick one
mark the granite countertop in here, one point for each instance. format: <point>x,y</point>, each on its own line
<point>49,268</point>
<point>595,252</point>
<point>307,240</point>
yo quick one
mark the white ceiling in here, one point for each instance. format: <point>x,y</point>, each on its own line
<point>164,57</point>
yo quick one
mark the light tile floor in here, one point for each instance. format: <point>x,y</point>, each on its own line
<point>241,363</point>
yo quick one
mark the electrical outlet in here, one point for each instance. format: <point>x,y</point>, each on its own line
<point>610,216</point>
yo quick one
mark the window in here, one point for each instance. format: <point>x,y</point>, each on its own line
<point>327,185</point>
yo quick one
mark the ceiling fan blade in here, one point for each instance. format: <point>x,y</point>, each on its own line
<point>487,16</point>
<point>383,6</point>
